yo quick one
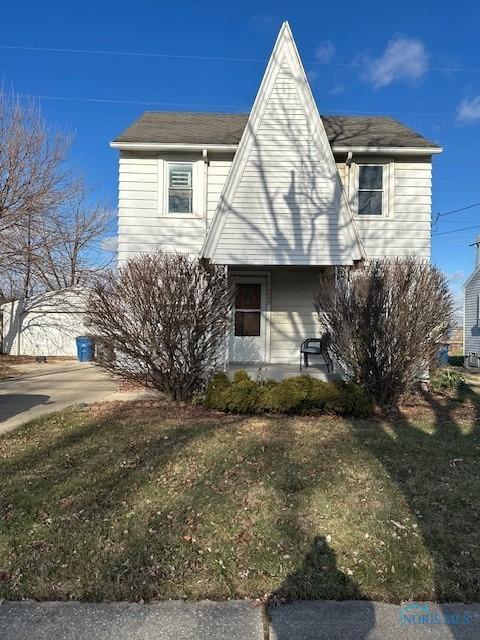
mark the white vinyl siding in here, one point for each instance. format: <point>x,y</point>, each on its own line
<point>471,320</point>
<point>292,316</point>
<point>405,229</point>
<point>285,209</point>
<point>218,169</point>
<point>144,223</point>
<point>143,227</point>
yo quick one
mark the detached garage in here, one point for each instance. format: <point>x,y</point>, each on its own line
<point>44,325</point>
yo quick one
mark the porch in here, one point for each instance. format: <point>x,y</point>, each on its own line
<point>274,313</point>
<point>278,372</point>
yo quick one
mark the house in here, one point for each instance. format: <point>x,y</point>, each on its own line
<point>471,313</point>
<point>45,324</point>
<point>277,195</point>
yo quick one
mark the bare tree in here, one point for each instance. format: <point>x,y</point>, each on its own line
<point>386,323</point>
<point>48,230</point>
<point>162,321</point>
<point>67,254</point>
<point>32,163</point>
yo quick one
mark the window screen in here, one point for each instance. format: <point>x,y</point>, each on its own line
<point>370,190</point>
<point>180,191</point>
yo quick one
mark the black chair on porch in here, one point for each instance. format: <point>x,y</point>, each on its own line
<point>316,347</point>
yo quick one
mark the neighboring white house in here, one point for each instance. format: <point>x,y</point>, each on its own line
<point>471,314</point>
<point>44,325</point>
<point>278,195</point>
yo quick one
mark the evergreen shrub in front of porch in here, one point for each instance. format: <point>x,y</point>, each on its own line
<point>298,395</point>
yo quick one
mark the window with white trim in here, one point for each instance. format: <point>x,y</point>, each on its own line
<point>180,187</point>
<point>371,190</point>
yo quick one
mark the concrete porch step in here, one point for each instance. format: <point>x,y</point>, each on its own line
<point>280,371</point>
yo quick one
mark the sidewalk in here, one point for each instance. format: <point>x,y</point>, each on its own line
<point>236,620</point>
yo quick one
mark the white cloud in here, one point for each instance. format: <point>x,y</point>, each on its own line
<point>469,110</point>
<point>457,304</point>
<point>109,244</point>
<point>337,89</point>
<point>456,276</point>
<point>404,60</point>
<point>264,21</point>
<point>325,51</point>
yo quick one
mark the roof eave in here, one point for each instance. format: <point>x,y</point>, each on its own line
<point>164,146</point>
<point>408,151</point>
<point>174,146</point>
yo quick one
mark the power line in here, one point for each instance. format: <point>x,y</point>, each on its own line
<point>132,54</point>
<point>129,102</point>
<point>447,213</point>
<point>444,233</point>
<point>235,108</point>
<point>144,54</point>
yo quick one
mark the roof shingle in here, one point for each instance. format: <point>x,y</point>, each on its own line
<point>227,128</point>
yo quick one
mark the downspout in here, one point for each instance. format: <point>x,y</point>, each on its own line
<point>205,187</point>
<point>348,164</point>
<point>205,196</point>
<point>19,324</point>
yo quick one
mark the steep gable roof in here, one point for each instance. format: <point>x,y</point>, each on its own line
<point>163,127</point>
<point>471,277</point>
<point>283,201</point>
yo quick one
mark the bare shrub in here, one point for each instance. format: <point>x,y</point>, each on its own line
<point>164,317</point>
<point>386,323</point>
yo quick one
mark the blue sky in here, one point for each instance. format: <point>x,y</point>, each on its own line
<point>417,60</point>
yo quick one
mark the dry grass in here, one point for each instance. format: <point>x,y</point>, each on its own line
<point>12,366</point>
<point>6,372</point>
<point>146,500</point>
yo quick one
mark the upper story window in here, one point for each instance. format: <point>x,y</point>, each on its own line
<point>370,190</point>
<point>180,187</point>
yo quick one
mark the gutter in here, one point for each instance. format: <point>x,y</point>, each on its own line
<point>400,151</point>
<point>155,146</point>
<point>231,148</point>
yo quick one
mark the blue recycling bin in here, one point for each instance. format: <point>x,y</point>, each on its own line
<point>85,348</point>
<point>443,355</point>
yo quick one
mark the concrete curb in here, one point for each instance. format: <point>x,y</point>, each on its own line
<point>238,620</point>
<point>366,620</point>
<point>174,620</point>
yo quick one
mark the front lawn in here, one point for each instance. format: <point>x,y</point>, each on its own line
<point>145,501</point>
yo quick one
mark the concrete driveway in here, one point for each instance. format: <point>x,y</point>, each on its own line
<point>51,388</point>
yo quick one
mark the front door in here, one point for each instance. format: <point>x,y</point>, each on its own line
<point>247,338</point>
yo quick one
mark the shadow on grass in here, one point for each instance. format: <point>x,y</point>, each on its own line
<point>434,461</point>
<point>427,457</point>
<point>70,494</point>
<point>143,501</point>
